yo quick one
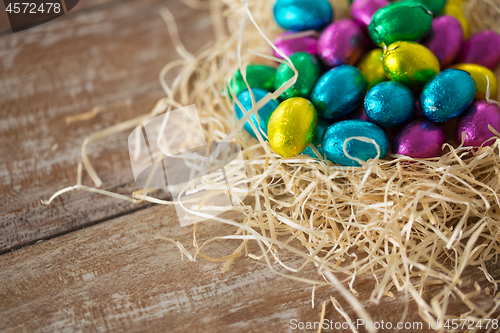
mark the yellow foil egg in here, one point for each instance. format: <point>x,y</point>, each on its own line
<point>372,68</point>
<point>479,74</point>
<point>292,126</point>
<point>410,63</point>
<point>454,8</point>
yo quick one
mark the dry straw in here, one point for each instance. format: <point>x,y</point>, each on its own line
<point>411,224</point>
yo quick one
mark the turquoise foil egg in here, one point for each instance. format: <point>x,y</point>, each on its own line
<point>323,124</point>
<point>338,92</point>
<point>301,15</point>
<point>265,112</point>
<point>389,104</point>
<point>339,133</point>
<point>447,95</point>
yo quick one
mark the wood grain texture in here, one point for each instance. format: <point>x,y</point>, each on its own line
<point>66,67</point>
<point>118,276</point>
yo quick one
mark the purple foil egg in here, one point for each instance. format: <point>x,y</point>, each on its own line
<point>418,111</point>
<point>363,10</point>
<point>482,49</point>
<point>290,44</point>
<point>359,113</point>
<point>446,39</point>
<point>420,139</point>
<point>474,122</point>
<point>341,43</point>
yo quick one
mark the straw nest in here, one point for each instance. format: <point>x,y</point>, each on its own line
<point>409,223</point>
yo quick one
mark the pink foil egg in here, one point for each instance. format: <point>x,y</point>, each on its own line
<point>420,139</point>
<point>363,10</point>
<point>445,40</point>
<point>342,42</point>
<point>483,49</point>
<point>288,44</point>
<point>474,122</point>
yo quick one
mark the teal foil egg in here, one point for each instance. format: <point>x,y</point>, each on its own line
<point>265,112</point>
<point>335,136</point>
<point>447,95</point>
<point>301,15</point>
<point>389,104</point>
<point>323,124</point>
<point>338,92</point>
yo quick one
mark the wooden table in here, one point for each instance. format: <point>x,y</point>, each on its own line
<point>93,263</point>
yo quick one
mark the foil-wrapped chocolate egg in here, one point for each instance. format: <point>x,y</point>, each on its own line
<point>474,123</point>
<point>301,15</point>
<point>389,104</point>
<point>483,49</point>
<point>410,63</point>
<point>447,95</point>
<point>420,139</point>
<point>342,42</point>
<point>309,70</point>
<point>435,6</point>
<point>453,8</point>
<point>289,44</point>
<point>292,126</point>
<point>338,92</point>
<point>445,39</point>
<point>481,76</point>
<point>349,133</point>
<point>372,68</point>
<point>400,21</point>
<point>258,76</point>
<point>264,112</point>
<point>362,11</point>
<point>359,113</point>
<point>323,124</point>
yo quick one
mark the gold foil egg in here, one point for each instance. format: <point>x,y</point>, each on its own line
<point>479,74</point>
<point>292,126</point>
<point>372,68</point>
<point>454,8</point>
<point>410,63</point>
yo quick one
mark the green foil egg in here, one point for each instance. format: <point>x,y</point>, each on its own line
<point>372,68</point>
<point>292,126</point>
<point>258,76</point>
<point>410,63</point>
<point>400,21</point>
<point>435,6</point>
<point>309,70</point>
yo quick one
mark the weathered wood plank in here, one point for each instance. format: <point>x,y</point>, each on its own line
<point>67,67</point>
<point>117,276</point>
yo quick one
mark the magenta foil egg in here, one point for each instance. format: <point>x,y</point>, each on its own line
<point>483,49</point>
<point>288,44</point>
<point>420,139</point>
<point>363,10</point>
<point>474,122</point>
<point>342,42</point>
<point>446,39</point>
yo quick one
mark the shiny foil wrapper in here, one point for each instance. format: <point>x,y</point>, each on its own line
<point>342,42</point>
<point>410,63</point>
<point>292,126</point>
<point>362,11</point>
<point>301,15</point>
<point>479,74</point>
<point>420,139</point>
<point>483,49</point>
<point>372,68</point>
<point>446,39</point>
<point>474,123</point>
<point>288,44</point>
<point>309,70</point>
<point>264,112</point>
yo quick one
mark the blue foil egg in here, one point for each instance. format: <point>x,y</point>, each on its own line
<point>337,134</point>
<point>389,104</point>
<point>323,124</point>
<point>447,95</point>
<point>301,15</point>
<point>338,92</point>
<point>265,112</point>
